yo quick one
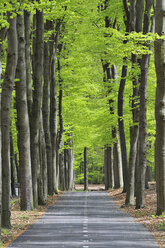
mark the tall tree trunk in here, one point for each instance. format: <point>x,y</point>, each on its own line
<point>108,168</point>
<point>7,89</point>
<point>53,114</point>
<point>13,176</point>
<point>43,189</point>
<point>60,140</point>
<point>70,169</point>
<point>66,157</point>
<point>130,13</point>
<point>23,122</point>
<point>62,171</point>
<point>37,94</point>
<point>85,169</point>
<point>134,131</point>
<point>144,64</point>
<point>27,21</point>
<point>142,133</point>
<point>45,116</point>
<point>17,167</point>
<point>121,127</point>
<point>118,174</point>
<point>0,156</point>
<point>160,107</point>
<point>106,171</point>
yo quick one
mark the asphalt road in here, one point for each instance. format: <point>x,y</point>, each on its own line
<point>85,220</point>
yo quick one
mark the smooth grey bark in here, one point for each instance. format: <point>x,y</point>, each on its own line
<point>121,127</point>
<point>160,106</point>
<point>110,75</point>
<point>45,116</point>
<point>13,175</point>
<point>129,24</point>
<point>134,131</point>
<point>62,171</point>
<point>53,113</point>
<point>37,95</point>
<point>108,168</point>
<point>0,157</point>
<point>142,133</point>
<point>70,169</point>
<point>144,64</point>
<point>118,174</point>
<point>7,89</point>
<point>148,176</point>
<point>66,169</point>
<point>85,169</point>
<point>23,122</point>
<point>17,167</point>
<point>117,163</point>
<point>106,179</point>
<point>61,129</point>
<point>139,15</point>
<point>27,21</point>
<point>42,179</point>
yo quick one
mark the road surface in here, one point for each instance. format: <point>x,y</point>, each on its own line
<point>85,220</point>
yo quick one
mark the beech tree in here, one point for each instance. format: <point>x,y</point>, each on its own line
<point>160,105</point>
<point>85,169</point>
<point>7,89</point>
<point>23,121</point>
<point>90,69</point>
<point>0,151</point>
<point>37,94</point>
<point>45,115</point>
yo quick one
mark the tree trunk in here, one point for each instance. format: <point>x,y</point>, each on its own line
<point>43,166</point>
<point>62,170</point>
<point>108,168</point>
<point>118,174</point>
<point>0,156</point>
<point>85,170</point>
<point>45,116</point>
<point>148,176</point>
<point>53,116</point>
<point>142,133</point>
<point>17,168</point>
<point>13,176</point>
<point>70,169</point>
<point>160,107</point>
<point>60,140</point>
<point>37,94</point>
<point>121,127</point>
<point>23,122</point>
<point>134,131</point>
<point>66,158</point>
<point>144,64</point>
<point>27,21</point>
<point>7,89</point>
<point>106,172</point>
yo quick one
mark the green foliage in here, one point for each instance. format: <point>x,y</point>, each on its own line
<point>5,231</point>
<point>87,42</point>
<point>95,166</point>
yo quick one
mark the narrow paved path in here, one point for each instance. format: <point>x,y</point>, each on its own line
<point>85,220</point>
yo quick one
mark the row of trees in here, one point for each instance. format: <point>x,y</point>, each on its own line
<point>75,74</point>
<point>30,81</point>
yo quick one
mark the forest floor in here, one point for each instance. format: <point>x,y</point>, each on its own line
<point>22,220</point>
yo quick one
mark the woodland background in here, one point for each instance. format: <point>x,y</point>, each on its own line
<point>78,98</point>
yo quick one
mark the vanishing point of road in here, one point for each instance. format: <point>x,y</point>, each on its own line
<point>85,220</point>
